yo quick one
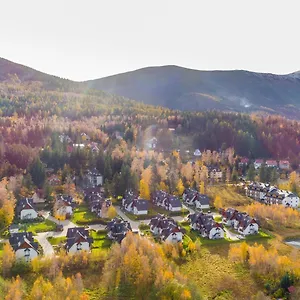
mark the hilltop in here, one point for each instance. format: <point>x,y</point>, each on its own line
<point>185,89</point>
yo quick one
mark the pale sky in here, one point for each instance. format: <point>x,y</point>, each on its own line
<point>90,39</point>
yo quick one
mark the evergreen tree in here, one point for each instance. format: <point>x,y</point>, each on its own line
<point>251,173</point>
<point>37,172</point>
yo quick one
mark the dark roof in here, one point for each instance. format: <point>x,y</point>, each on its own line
<point>66,200</point>
<point>166,224</point>
<point>118,229</point>
<point>77,235</point>
<point>89,190</point>
<point>174,201</point>
<point>94,172</point>
<point>25,203</point>
<point>204,221</point>
<point>22,240</point>
<point>244,219</point>
<point>141,204</point>
<point>193,195</point>
<point>229,213</point>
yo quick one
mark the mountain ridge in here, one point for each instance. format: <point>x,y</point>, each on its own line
<point>183,88</point>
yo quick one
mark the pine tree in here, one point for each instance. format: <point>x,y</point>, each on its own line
<point>251,173</point>
<point>37,172</point>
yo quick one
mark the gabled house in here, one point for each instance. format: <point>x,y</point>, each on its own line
<point>64,205</point>
<point>65,138</point>
<point>94,178</point>
<point>25,209</point>
<point>228,216</point>
<point>197,153</point>
<point>284,165</point>
<point>166,201</point>
<point>151,143</point>
<point>135,205</point>
<point>98,204</point>
<point>24,246</point>
<point>271,163</point>
<point>245,224</point>
<point>272,195</point>
<point>192,197</point>
<point>166,228</point>
<point>206,226</point>
<point>85,137</point>
<point>54,180</point>
<point>257,190</point>
<point>244,161</point>
<point>258,163</point>
<point>117,229</point>
<point>215,174</point>
<point>78,240</point>
<point>240,221</point>
<point>283,197</point>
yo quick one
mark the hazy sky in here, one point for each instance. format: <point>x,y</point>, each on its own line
<point>89,39</point>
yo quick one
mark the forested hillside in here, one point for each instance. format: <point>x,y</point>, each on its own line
<point>186,89</point>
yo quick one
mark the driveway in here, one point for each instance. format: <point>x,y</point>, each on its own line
<point>42,239</point>
<point>231,235</point>
<point>134,224</point>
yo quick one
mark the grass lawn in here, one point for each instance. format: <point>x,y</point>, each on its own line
<point>101,241</point>
<point>82,215</point>
<point>54,241</point>
<point>44,226</point>
<point>218,219</point>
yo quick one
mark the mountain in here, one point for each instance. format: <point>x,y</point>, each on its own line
<point>26,74</point>
<point>185,89</point>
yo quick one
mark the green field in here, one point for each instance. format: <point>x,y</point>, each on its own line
<point>44,226</point>
<point>1,249</point>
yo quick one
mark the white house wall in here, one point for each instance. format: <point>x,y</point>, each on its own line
<point>28,214</point>
<point>84,247</point>
<point>20,254</point>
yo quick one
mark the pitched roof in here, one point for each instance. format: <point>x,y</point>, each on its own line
<point>77,235</point>
<point>204,221</point>
<point>22,240</point>
<point>141,204</point>
<point>25,203</point>
<point>118,229</point>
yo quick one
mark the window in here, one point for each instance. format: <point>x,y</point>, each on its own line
<point>79,246</point>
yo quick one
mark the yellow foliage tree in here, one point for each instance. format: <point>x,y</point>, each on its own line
<point>111,212</point>
<point>179,187</point>
<point>202,187</point>
<point>8,259</point>
<point>218,203</point>
<point>144,190</point>
<point>162,186</point>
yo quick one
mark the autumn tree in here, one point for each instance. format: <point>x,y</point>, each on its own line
<point>8,259</point>
<point>180,187</point>
<point>144,190</point>
<point>111,212</point>
<point>218,203</point>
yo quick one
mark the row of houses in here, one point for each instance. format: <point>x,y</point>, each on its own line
<point>269,194</point>
<point>240,221</point>
<point>270,163</point>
